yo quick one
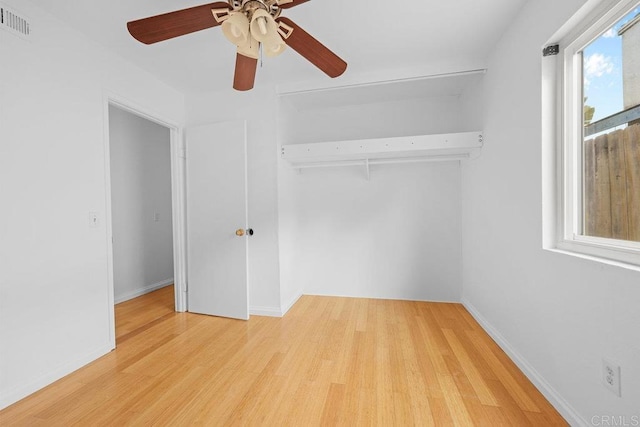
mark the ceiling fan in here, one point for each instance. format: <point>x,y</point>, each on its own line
<point>249,24</point>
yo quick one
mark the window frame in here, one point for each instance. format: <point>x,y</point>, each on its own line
<point>569,141</point>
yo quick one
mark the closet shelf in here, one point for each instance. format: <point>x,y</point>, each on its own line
<point>366,152</point>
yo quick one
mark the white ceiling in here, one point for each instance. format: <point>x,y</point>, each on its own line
<point>369,35</point>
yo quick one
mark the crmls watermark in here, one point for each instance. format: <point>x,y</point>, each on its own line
<point>615,420</point>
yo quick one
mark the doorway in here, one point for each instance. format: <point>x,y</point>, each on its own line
<point>141,215</point>
<point>144,207</point>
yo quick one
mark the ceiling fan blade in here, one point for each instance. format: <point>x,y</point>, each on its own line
<point>173,24</point>
<point>314,51</point>
<point>290,3</point>
<point>245,74</point>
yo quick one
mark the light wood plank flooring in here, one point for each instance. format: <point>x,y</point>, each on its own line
<point>139,314</point>
<point>329,361</point>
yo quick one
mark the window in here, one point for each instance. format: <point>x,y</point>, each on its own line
<point>598,80</point>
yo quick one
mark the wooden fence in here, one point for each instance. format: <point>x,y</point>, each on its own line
<point>612,185</point>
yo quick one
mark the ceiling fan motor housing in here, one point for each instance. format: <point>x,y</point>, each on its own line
<point>248,7</point>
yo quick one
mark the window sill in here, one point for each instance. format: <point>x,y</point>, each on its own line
<point>629,260</point>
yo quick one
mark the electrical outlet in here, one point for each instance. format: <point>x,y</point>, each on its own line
<point>611,376</point>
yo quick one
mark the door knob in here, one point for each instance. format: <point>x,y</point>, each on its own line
<point>241,232</point>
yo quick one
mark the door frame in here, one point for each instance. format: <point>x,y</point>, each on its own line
<point>178,201</point>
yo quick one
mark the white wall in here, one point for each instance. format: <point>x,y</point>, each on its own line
<point>396,236</point>
<point>55,299</point>
<point>258,108</point>
<point>141,218</point>
<point>558,315</point>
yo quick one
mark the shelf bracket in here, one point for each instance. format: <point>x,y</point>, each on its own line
<point>366,167</point>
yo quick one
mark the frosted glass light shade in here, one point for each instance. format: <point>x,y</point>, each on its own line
<point>262,24</point>
<point>274,45</point>
<point>250,48</point>
<point>265,29</point>
<point>236,29</point>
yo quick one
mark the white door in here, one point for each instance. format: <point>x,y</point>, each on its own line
<point>216,208</point>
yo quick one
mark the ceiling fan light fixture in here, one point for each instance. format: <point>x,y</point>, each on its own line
<point>250,49</point>
<point>274,46</point>
<point>236,29</point>
<point>262,25</point>
<point>265,29</point>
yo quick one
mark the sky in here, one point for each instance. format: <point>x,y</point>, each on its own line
<point>602,61</point>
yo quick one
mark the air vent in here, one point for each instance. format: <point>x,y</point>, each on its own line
<point>14,22</point>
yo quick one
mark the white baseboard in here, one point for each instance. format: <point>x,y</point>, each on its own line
<point>273,311</point>
<point>565,409</point>
<point>390,298</point>
<point>141,291</point>
<point>265,311</point>
<point>291,302</point>
<point>19,393</point>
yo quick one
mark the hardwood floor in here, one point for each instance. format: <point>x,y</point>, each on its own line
<point>329,361</point>
<point>139,314</point>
